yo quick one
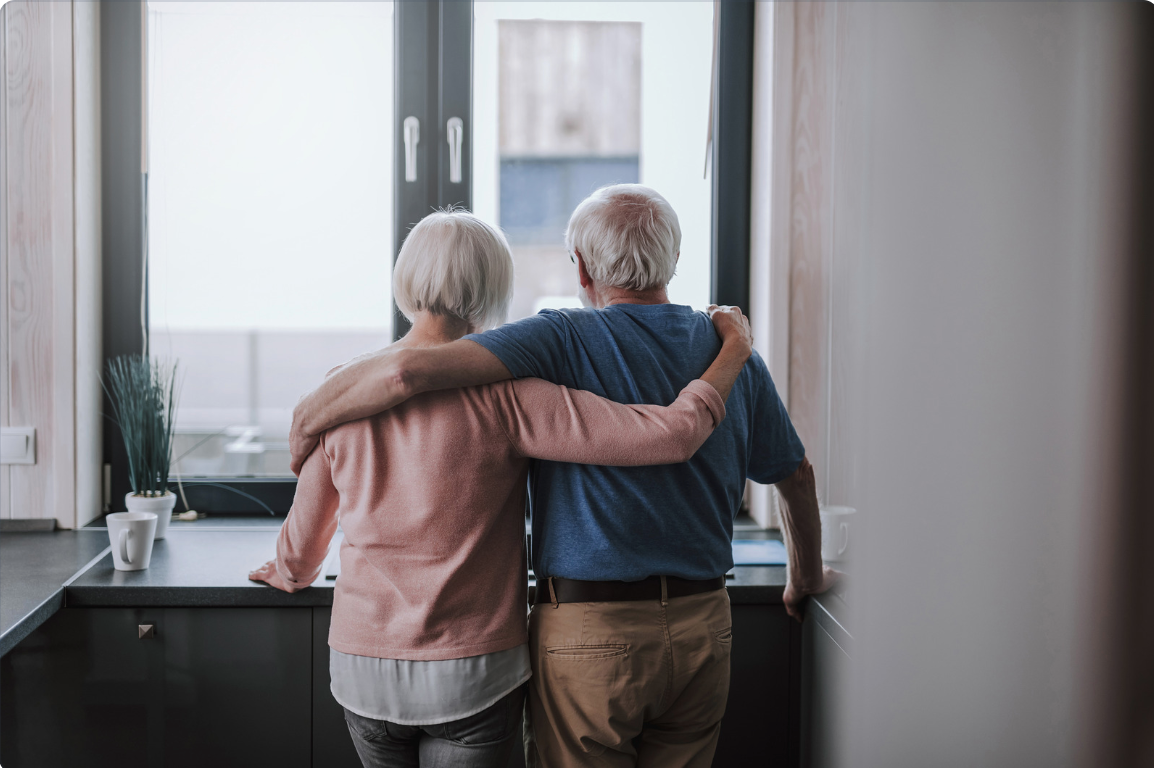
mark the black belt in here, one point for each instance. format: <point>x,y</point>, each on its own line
<point>573,591</point>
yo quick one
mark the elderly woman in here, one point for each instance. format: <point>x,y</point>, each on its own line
<point>428,651</point>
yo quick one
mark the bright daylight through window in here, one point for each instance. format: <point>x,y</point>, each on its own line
<point>568,97</point>
<point>270,199</point>
<point>269,212</point>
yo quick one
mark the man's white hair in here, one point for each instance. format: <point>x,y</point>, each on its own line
<point>454,264</point>
<point>627,235</point>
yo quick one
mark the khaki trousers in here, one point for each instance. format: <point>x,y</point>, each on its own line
<point>628,683</point>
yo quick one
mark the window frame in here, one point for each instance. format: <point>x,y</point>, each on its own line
<point>732,153</point>
<point>433,50</point>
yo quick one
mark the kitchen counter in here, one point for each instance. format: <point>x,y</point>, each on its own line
<point>195,568</point>
<point>830,612</point>
<point>209,568</point>
<point>199,564</point>
<point>34,568</point>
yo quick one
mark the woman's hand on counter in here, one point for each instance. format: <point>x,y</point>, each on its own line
<point>268,574</point>
<point>794,597</point>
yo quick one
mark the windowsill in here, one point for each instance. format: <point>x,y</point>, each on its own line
<point>218,521</point>
<point>745,527</point>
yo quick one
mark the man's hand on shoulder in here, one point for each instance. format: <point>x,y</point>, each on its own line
<point>336,401</point>
<point>300,446</point>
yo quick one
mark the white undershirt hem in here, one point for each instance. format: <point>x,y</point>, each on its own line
<point>437,721</point>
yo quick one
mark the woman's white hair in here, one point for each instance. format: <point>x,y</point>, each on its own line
<point>627,235</point>
<point>454,264</point>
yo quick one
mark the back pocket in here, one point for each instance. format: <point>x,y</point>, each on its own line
<point>586,652</point>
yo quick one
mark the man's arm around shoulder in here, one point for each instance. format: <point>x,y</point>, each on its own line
<point>377,382</point>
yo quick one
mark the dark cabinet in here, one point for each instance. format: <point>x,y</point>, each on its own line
<point>77,691</point>
<point>237,686</point>
<point>825,659</point>
<point>250,687</point>
<point>215,686</point>
<point>760,718</point>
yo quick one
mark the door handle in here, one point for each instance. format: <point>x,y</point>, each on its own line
<point>412,139</point>
<point>455,129</point>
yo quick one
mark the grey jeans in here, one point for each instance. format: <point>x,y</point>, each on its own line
<point>483,740</point>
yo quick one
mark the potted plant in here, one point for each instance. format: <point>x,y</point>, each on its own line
<point>143,395</point>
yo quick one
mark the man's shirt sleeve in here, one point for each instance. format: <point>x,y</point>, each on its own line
<point>775,450</point>
<point>532,347</point>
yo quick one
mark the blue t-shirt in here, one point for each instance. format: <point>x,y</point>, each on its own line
<point>627,523</point>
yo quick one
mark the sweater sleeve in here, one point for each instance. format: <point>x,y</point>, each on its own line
<point>548,421</point>
<point>308,530</point>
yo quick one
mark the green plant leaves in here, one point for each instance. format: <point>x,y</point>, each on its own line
<point>143,395</point>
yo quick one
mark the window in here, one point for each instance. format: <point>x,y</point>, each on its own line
<point>269,212</point>
<point>569,97</point>
<point>277,186</point>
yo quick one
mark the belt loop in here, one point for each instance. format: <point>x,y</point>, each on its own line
<point>552,593</point>
<point>664,593</point>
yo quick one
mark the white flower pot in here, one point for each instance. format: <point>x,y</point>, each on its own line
<point>161,506</point>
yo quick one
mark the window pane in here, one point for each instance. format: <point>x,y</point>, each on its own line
<point>569,97</point>
<point>269,212</point>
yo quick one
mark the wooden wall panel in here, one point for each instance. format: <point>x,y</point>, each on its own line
<point>810,229</point>
<point>5,473</point>
<point>849,225</point>
<point>29,138</point>
<point>813,275</point>
<point>781,196</point>
<point>39,253</point>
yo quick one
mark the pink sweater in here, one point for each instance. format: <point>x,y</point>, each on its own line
<point>431,498</point>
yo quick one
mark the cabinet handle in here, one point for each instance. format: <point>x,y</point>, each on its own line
<point>412,134</point>
<point>455,129</point>
<point>145,631</point>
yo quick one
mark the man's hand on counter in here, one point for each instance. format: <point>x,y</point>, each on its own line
<point>794,597</point>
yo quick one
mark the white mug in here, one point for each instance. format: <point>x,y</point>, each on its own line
<point>835,525</point>
<point>131,536</point>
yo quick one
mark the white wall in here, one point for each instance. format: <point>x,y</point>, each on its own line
<point>966,189</point>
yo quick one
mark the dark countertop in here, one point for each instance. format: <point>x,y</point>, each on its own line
<point>204,564</point>
<point>213,523</point>
<point>206,567</point>
<point>201,567</point>
<point>33,570</point>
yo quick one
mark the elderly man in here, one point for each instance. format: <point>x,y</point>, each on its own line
<point>630,635</point>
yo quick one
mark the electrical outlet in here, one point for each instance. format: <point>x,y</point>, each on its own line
<point>17,445</point>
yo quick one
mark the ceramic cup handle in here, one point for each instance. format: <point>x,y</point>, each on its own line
<point>844,539</point>
<point>124,546</point>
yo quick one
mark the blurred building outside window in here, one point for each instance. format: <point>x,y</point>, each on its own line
<point>569,97</point>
